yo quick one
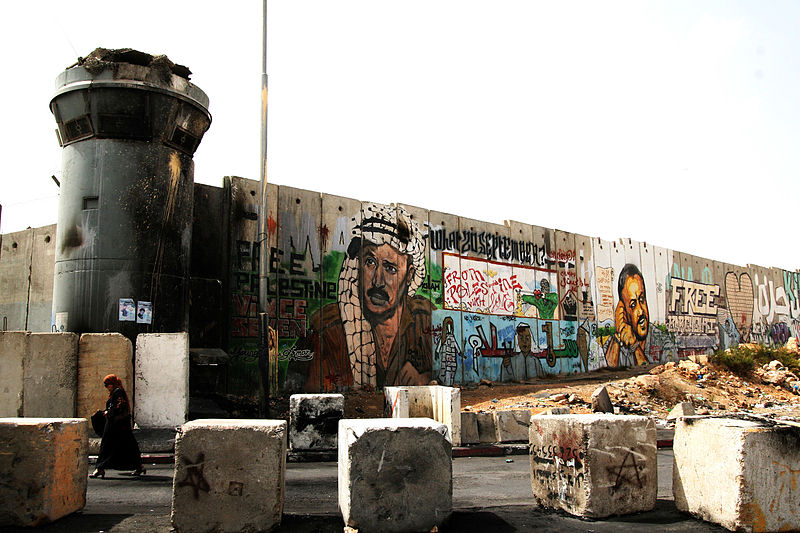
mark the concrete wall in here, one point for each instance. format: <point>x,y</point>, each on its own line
<point>100,354</point>
<point>27,260</point>
<point>501,302</point>
<point>161,380</point>
<point>507,302</point>
<point>38,374</point>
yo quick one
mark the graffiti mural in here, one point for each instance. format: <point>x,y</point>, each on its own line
<point>692,315</point>
<point>373,335</point>
<point>370,295</point>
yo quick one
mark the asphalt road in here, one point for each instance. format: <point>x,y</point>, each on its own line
<point>489,495</point>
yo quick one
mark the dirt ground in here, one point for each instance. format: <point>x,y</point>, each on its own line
<point>647,390</point>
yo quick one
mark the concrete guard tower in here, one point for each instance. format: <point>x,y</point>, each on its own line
<point>129,124</point>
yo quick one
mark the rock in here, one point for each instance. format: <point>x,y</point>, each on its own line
<point>601,402</point>
<point>573,398</point>
<point>792,345</point>
<point>558,397</point>
<point>681,409</point>
<point>648,382</point>
<point>657,370</point>
<point>689,367</point>
<point>702,411</point>
<point>670,364</point>
<point>774,377</point>
<point>775,365</point>
<point>485,383</point>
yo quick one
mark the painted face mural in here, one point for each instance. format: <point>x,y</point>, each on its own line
<point>374,334</point>
<point>383,275</point>
<point>634,302</point>
<point>629,345</point>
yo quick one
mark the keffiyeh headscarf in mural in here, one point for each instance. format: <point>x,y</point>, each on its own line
<point>379,224</point>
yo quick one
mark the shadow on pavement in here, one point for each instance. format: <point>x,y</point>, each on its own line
<point>74,523</point>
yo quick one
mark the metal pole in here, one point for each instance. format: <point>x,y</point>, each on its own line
<point>263,338</point>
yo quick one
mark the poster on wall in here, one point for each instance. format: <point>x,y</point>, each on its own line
<point>144,312</point>
<point>127,310</point>
<point>61,322</point>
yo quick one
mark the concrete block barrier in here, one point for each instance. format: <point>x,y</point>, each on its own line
<point>487,434</point>
<point>38,374</point>
<point>100,354</point>
<point>13,346</point>
<point>469,428</point>
<point>439,403</point>
<point>229,475</point>
<point>395,474</point>
<point>512,426</point>
<point>43,469</point>
<point>314,421</point>
<point>594,465</point>
<point>162,380</point>
<point>50,385</point>
<point>743,474</point>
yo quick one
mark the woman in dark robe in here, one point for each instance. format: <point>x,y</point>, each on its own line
<point>118,448</point>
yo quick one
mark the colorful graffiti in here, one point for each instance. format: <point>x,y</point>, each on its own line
<point>370,295</point>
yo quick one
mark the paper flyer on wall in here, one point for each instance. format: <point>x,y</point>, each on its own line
<point>144,313</point>
<point>127,310</point>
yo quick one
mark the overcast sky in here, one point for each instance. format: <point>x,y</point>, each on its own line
<point>676,123</point>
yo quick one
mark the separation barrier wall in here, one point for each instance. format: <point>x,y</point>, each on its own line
<point>364,294</point>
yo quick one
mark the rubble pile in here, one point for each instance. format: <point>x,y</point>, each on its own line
<point>697,381</point>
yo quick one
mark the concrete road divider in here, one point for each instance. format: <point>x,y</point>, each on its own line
<point>43,469</point>
<point>314,421</point>
<point>512,426</point>
<point>162,380</point>
<point>442,404</point>
<point>395,474</point>
<point>741,473</point>
<point>594,465</point>
<point>229,475</point>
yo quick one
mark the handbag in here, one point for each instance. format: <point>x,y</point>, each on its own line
<point>99,423</point>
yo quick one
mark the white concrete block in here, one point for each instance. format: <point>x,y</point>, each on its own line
<point>161,379</point>
<point>314,421</point>
<point>442,404</point>
<point>395,402</point>
<point>512,425</point>
<point>229,475</point>
<point>681,409</point>
<point>395,474</point>
<point>43,469</point>
<point>594,465</point>
<point>741,474</point>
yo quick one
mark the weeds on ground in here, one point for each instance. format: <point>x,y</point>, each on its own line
<point>744,358</point>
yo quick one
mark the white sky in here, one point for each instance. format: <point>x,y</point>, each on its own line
<point>676,123</point>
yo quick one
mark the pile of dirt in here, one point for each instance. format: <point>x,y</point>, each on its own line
<point>104,58</point>
<point>648,390</point>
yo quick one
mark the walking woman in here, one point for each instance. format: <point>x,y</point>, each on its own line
<point>118,448</point>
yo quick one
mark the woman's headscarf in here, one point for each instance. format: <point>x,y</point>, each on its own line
<point>112,379</point>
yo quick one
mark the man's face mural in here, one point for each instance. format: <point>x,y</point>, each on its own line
<point>384,276</point>
<point>636,312</point>
<point>524,339</point>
